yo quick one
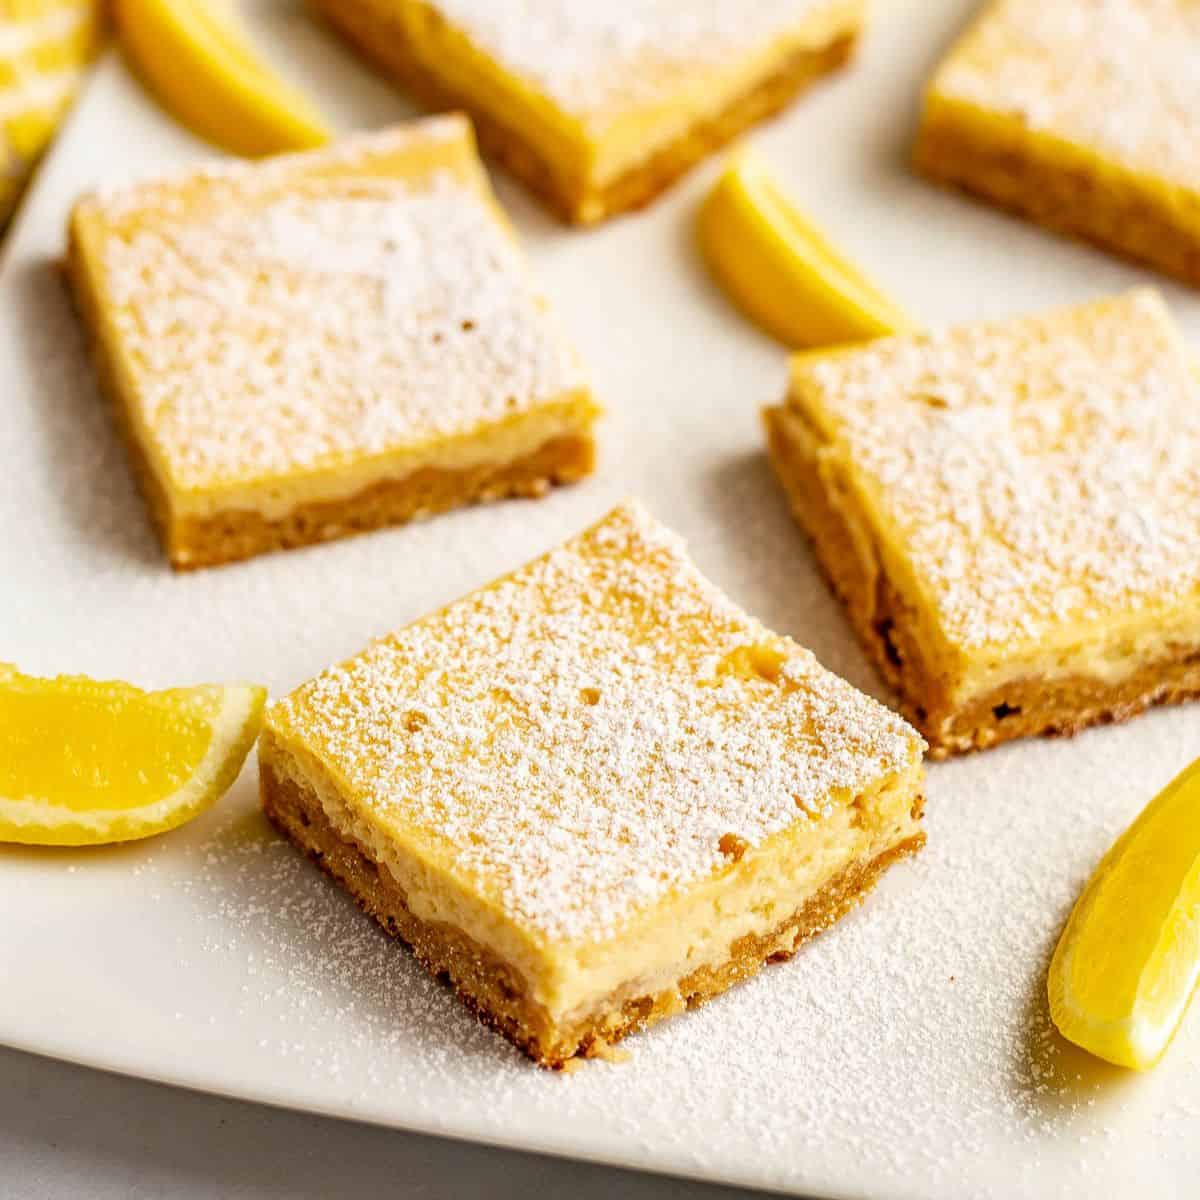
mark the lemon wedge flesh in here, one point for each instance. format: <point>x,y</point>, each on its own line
<point>84,762</point>
<point>1129,958</point>
<point>779,268</point>
<point>45,47</point>
<point>195,57</point>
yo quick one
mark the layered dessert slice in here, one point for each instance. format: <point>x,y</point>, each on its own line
<point>1082,114</point>
<point>324,343</point>
<point>1010,513</point>
<point>594,793</point>
<point>599,106</point>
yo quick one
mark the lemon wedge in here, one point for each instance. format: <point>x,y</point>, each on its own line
<point>1129,958</point>
<point>84,762</point>
<point>195,58</point>
<point>45,48</point>
<point>781,270</point>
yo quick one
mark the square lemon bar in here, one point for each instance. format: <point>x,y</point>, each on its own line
<point>594,793</point>
<point>1010,513</point>
<point>599,106</point>
<point>1082,114</point>
<point>325,343</point>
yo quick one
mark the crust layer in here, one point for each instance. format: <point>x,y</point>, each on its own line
<point>886,628</point>
<point>496,993</point>
<point>1016,171</point>
<point>570,197</point>
<point>237,534</point>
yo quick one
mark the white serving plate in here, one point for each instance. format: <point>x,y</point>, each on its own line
<point>906,1053</point>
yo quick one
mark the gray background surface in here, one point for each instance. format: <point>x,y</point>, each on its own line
<point>69,1132</point>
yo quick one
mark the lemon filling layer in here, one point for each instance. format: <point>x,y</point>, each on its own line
<point>1108,652</point>
<point>598,145</point>
<point>691,929</point>
<point>274,499</point>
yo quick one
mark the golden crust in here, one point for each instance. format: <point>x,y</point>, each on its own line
<point>1016,170</point>
<point>570,197</point>
<point>492,990</point>
<point>232,535</point>
<point>1062,707</point>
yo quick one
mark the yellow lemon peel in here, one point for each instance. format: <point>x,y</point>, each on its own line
<point>1129,957</point>
<point>196,60</point>
<point>85,762</point>
<point>778,267</point>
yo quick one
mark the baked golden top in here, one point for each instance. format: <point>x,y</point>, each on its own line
<point>320,308</point>
<point>1116,77</point>
<point>581,738</point>
<point>1036,476</point>
<point>596,59</point>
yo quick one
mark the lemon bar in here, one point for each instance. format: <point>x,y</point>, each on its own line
<point>594,793</point>
<point>1082,114</point>
<point>325,343</point>
<point>598,107</point>
<point>1010,513</point>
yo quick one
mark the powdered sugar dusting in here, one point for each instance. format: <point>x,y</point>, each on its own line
<point>292,316</point>
<point>904,1053</point>
<point>1038,472</point>
<point>913,1038</point>
<point>575,737</point>
<point>1119,77</point>
<point>587,57</point>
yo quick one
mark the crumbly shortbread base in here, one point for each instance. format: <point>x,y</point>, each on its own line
<point>495,992</point>
<point>1060,188</point>
<point>571,197</point>
<point>886,628</point>
<point>238,534</point>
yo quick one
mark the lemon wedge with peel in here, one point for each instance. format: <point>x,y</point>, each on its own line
<point>84,762</point>
<point>45,48</point>
<point>194,56</point>
<point>1129,958</point>
<point>781,270</point>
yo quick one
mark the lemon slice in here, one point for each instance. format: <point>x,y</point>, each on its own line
<point>45,48</point>
<point>781,270</point>
<point>195,58</point>
<point>84,762</point>
<point>1129,958</point>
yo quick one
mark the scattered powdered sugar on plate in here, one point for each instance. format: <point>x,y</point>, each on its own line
<point>1120,78</point>
<point>913,1037</point>
<point>577,738</point>
<point>218,958</point>
<point>299,317</point>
